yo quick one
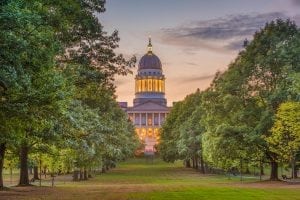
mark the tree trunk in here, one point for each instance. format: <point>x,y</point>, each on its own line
<point>294,169</point>
<point>2,153</point>
<point>188,163</point>
<point>241,170</point>
<point>262,169</point>
<point>75,175</point>
<point>103,170</point>
<point>24,179</point>
<point>247,169</point>
<point>85,175</point>
<point>36,173</point>
<point>295,173</point>
<point>193,161</point>
<point>90,173</point>
<point>45,171</point>
<point>196,163</point>
<point>80,175</point>
<point>202,168</point>
<point>274,171</point>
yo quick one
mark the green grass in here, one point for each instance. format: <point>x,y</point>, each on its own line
<point>136,179</point>
<point>220,194</point>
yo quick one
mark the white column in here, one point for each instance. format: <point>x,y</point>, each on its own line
<point>159,119</point>
<point>152,119</point>
<point>146,119</point>
<point>140,119</point>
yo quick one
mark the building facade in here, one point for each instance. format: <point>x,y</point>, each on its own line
<point>149,108</point>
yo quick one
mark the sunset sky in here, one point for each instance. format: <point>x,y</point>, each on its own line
<point>193,38</point>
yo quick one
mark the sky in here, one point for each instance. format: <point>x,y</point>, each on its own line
<point>193,38</point>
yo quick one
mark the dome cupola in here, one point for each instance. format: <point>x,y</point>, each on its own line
<point>150,60</point>
<point>150,81</point>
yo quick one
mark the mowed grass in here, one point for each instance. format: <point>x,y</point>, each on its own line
<point>138,179</point>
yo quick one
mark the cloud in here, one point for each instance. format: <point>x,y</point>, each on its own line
<point>296,18</point>
<point>220,34</point>
<point>296,2</point>
<point>235,45</point>
<point>194,78</point>
<point>193,64</point>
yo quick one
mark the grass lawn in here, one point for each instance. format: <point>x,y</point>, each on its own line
<point>136,179</point>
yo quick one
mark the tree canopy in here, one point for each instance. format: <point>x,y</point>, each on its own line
<point>238,111</point>
<point>57,85</point>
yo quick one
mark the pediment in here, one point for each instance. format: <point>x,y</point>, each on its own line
<point>149,106</point>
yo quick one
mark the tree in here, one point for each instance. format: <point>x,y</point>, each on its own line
<point>248,94</point>
<point>268,65</point>
<point>285,138</point>
<point>181,133</point>
<point>229,118</point>
<point>44,44</point>
<point>169,135</point>
<point>36,90</point>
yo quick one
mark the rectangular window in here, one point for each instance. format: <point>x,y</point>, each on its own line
<point>137,119</point>
<point>162,118</point>
<point>150,85</point>
<point>156,119</point>
<point>149,119</point>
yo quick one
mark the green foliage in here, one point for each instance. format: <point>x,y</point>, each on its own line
<point>285,138</point>
<point>181,134</point>
<point>57,90</point>
<point>241,103</point>
<point>237,111</point>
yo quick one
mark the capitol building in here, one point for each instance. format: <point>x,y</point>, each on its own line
<point>149,108</point>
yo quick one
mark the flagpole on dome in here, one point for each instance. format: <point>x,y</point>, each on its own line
<point>149,45</point>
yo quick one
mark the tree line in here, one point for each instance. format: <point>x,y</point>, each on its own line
<point>57,95</point>
<point>249,114</point>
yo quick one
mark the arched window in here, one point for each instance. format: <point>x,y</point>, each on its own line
<point>143,85</point>
<point>159,86</point>
<point>149,84</point>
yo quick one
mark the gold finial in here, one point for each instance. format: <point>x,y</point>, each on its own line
<point>149,45</point>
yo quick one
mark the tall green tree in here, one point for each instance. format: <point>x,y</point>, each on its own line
<point>268,65</point>
<point>285,138</point>
<point>250,91</point>
<point>229,117</point>
<point>36,90</point>
<point>41,43</point>
<point>181,133</point>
